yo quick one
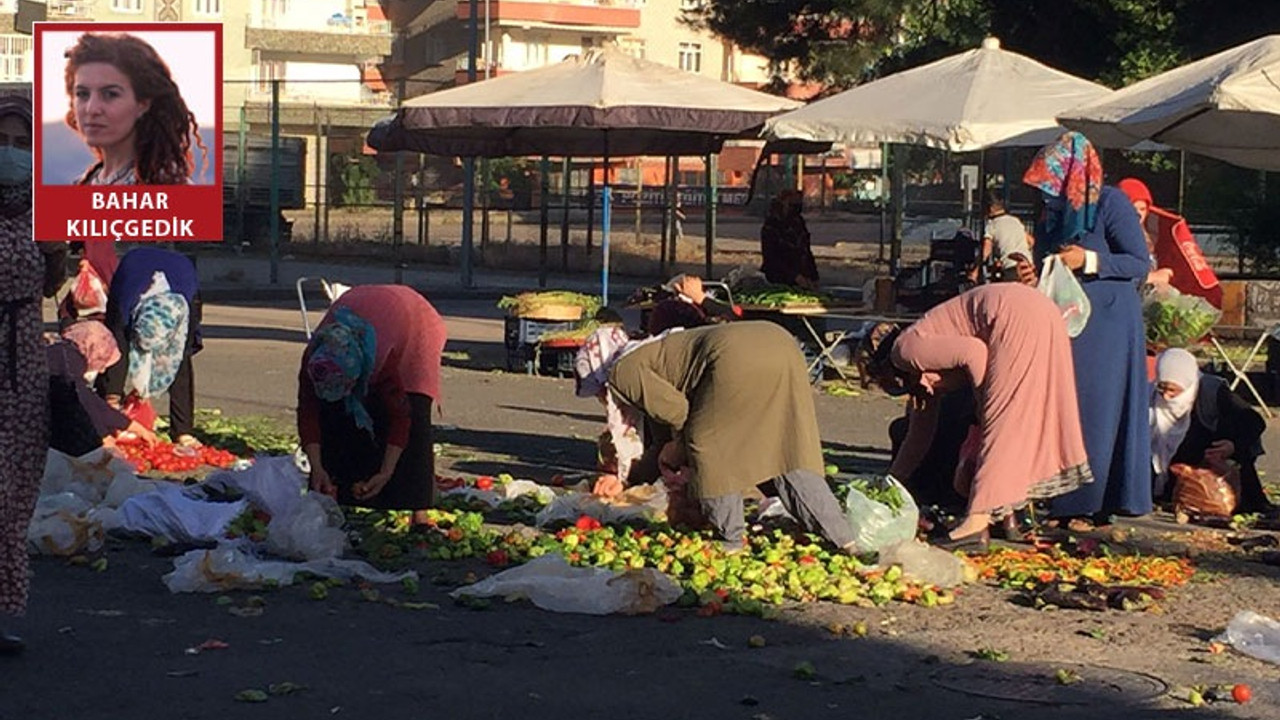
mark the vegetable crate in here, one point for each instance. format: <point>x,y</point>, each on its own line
<point>521,335</point>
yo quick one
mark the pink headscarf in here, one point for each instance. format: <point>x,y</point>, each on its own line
<point>95,342</point>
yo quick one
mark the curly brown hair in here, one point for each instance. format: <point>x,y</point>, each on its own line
<point>163,134</point>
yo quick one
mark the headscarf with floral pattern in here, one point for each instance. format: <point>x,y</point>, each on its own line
<point>1069,173</point>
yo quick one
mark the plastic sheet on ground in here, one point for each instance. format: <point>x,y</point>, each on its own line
<point>78,501</point>
<point>62,525</point>
<point>643,502</point>
<point>550,583</point>
<point>230,568</point>
<point>505,492</point>
<point>1254,635</point>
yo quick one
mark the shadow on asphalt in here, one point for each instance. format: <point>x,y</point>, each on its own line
<point>536,456</point>
<point>240,332</point>
<point>597,417</point>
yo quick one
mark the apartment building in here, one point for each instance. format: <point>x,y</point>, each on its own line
<point>325,54</point>
<point>517,35</point>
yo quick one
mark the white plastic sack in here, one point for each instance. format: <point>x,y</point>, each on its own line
<point>503,493</point>
<point>170,513</point>
<point>875,525</point>
<point>550,583</point>
<point>645,502</point>
<point>228,568</point>
<point>89,476</point>
<point>59,526</point>
<point>312,530</point>
<point>274,484</point>
<point>1060,285</point>
<point>924,563</point>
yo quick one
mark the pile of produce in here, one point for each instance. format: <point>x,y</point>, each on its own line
<point>577,335</point>
<point>1176,320</point>
<point>778,296</point>
<point>251,524</point>
<point>167,458</point>
<point>885,494</point>
<point>533,304</point>
<point>245,436</point>
<point>1021,569</point>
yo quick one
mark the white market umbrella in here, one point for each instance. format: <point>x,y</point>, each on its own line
<point>602,103</point>
<point>978,99</point>
<point>1225,106</point>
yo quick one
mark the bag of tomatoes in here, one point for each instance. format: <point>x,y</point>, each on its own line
<point>140,411</point>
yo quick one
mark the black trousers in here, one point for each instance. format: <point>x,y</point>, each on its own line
<point>182,393</point>
<point>352,455</point>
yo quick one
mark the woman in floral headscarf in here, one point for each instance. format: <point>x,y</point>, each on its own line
<point>1095,231</point>
<point>365,389</point>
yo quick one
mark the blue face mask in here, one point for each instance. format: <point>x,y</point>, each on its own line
<point>15,165</point>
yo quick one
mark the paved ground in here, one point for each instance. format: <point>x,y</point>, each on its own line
<point>111,645</point>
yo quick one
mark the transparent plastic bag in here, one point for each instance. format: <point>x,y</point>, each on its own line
<point>1173,319</point>
<point>1254,635</point>
<point>230,568</point>
<point>550,583</point>
<point>1060,285</point>
<point>924,563</point>
<point>876,525</point>
<point>312,530</point>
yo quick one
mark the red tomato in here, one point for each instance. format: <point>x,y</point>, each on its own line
<point>1242,693</point>
<point>484,482</point>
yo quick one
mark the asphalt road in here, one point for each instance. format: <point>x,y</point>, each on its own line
<point>112,645</point>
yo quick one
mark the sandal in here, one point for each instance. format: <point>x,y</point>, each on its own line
<point>189,441</point>
<point>972,543</point>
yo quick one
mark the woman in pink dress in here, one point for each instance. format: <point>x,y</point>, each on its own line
<point>1010,342</point>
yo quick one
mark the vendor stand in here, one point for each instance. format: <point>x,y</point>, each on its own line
<point>544,330</point>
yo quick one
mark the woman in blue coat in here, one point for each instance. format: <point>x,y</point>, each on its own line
<point>1096,232</point>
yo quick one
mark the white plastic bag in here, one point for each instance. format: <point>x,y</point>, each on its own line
<point>60,526</point>
<point>1254,635</point>
<point>274,484</point>
<point>552,584</point>
<point>229,568</point>
<point>876,525</point>
<point>1060,285</point>
<point>924,563</point>
<point>310,531</point>
<point>89,476</point>
<point>170,513</point>
<point>645,502</point>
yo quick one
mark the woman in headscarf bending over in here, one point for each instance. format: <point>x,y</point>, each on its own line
<point>368,379</point>
<point>737,403</point>
<point>24,381</point>
<point>154,312</point>
<point>1196,419</point>
<point>86,422</point>
<point>1008,342</point>
<point>1095,231</point>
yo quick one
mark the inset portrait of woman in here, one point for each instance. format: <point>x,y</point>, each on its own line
<point>125,105</point>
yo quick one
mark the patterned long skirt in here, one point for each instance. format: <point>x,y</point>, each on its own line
<point>24,427</point>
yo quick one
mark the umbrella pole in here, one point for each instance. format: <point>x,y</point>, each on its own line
<point>884,207</point>
<point>667,219</point>
<point>710,212</point>
<point>605,210</point>
<point>1182,179</point>
<point>566,165</point>
<point>591,205</point>
<point>544,170</point>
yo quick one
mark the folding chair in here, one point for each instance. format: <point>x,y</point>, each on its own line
<point>1240,372</point>
<point>331,291</point>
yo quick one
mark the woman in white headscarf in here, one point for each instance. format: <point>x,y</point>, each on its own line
<point>1196,419</point>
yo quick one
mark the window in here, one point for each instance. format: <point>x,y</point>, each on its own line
<point>691,4</point>
<point>15,58</point>
<point>208,7</point>
<point>691,57</point>
<point>633,47</point>
<point>129,6</point>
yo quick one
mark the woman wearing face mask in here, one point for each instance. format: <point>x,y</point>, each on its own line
<point>1009,343</point>
<point>1094,230</point>
<point>24,273</point>
<point>1196,419</point>
<point>83,421</point>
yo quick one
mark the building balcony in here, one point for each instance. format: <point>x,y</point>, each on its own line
<point>301,34</point>
<point>584,15</point>
<point>460,71</point>
<point>69,10</point>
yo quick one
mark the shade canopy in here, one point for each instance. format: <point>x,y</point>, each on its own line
<point>1225,106</point>
<point>603,102</point>
<point>978,99</point>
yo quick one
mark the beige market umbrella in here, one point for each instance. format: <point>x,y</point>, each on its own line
<point>978,99</point>
<point>1225,106</point>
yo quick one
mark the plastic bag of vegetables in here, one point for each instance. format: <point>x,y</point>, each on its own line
<point>881,513</point>
<point>1176,320</point>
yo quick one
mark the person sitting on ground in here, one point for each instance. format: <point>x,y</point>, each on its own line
<point>737,403</point>
<point>784,243</point>
<point>1029,443</point>
<point>690,306</point>
<point>1004,239</point>
<point>1198,420</point>
<point>84,421</point>
<point>366,384</point>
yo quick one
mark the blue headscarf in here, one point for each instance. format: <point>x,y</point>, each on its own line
<point>341,363</point>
